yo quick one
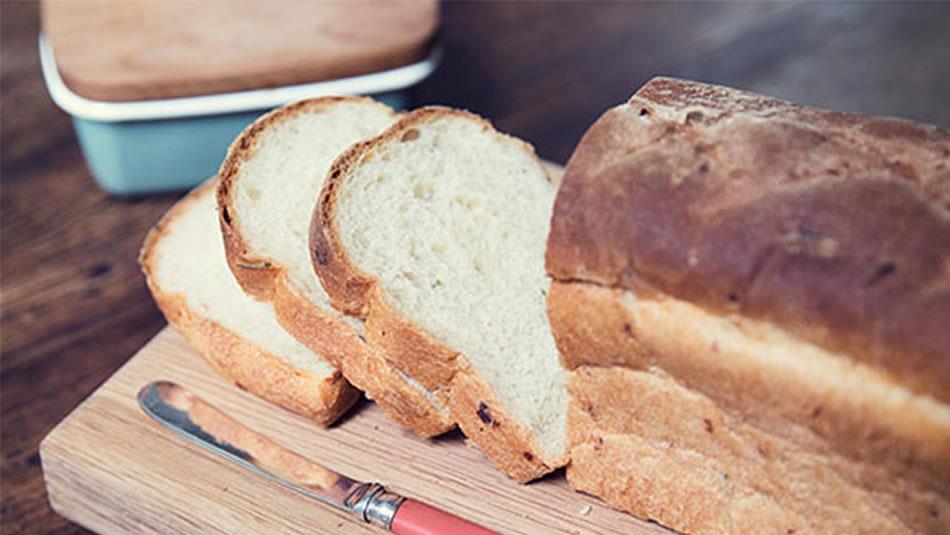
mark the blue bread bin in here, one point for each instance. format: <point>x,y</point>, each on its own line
<point>172,144</point>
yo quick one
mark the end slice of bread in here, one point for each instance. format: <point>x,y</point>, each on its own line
<point>268,188</point>
<point>435,232</point>
<point>184,264</point>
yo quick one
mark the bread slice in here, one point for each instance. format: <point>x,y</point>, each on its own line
<point>183,262</point>
<point>435,232</point>
<point>269,185</point>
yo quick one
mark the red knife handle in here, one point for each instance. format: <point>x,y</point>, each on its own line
<point>417,518</point>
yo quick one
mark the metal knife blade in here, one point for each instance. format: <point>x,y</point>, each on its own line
<point>204,425</point>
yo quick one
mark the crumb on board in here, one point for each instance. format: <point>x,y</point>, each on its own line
<point>585,510</point>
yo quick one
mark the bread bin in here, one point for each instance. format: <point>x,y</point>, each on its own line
<point>156,96</point>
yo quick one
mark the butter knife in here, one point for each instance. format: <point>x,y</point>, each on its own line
<point>201,423</point>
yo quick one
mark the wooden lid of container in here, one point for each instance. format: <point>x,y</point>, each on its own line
<point>139,50</point>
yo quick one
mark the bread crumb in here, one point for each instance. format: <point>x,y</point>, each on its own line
<point>584,511</point>
<point>678,177</point>
<point>692,258</point>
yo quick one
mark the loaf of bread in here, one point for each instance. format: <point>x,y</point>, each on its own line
<point>184,264</point>
<point>753,300</point>
<point>268,188</point>
<point>435,232</point>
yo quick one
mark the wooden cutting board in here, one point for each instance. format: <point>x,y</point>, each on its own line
<point>112,469</point>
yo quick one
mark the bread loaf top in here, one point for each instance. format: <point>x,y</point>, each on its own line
<point>832,226</point>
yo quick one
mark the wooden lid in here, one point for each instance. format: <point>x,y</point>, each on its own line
<point>139,50</point>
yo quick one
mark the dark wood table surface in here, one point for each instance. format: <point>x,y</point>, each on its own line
<point>74,306</point>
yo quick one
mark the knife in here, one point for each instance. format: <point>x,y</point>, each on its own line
<point>201,423</point>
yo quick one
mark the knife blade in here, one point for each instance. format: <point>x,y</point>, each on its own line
<point>211,429</point>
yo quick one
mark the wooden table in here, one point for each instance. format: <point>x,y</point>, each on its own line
<point>74,306</point>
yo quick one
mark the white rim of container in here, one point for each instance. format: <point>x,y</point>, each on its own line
<point>223,103</point>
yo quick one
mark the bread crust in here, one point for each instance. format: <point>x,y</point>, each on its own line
<point>243,363</point>
<point>474,406</point>
<point>323,332</point>
<point>361,363</point>
<point>649,445</point>
<point>649,368</point>
<point>257,275</point>
<point>755,289</point>
<point>832,226</point>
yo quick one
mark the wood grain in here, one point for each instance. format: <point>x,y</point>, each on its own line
<point>112,469</point>
<point>73,306</point>
<point>191,47</point>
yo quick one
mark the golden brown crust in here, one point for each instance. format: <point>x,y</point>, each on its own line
<point>472,403</point>
<point>676,393</point>
<point>347,286</point>
<point>321,331</point>
<point>658,477</point>
<point>255,274</point>
<point>504,440</point>
<point>299,43</point>
<point>402,343</point>
<point>832,226</point>
<point>238,360</point>
<point>360,362</point>
<point>651,446</point>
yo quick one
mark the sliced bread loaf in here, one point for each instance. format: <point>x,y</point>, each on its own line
<point>752,297</point>
<point>269,184</point>
<point>183,261</point>
<point>435,232</point>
